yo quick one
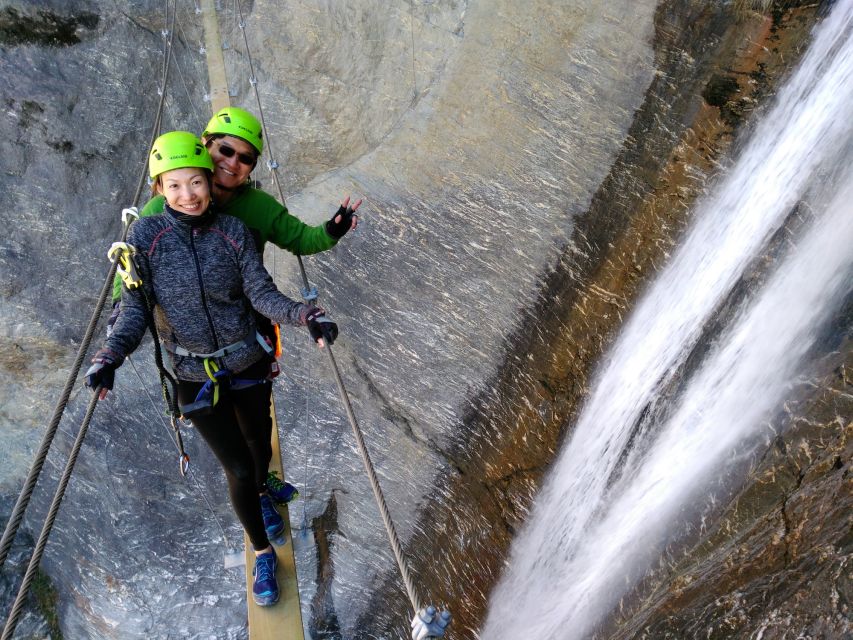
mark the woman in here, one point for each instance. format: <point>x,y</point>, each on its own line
<point>234,139</point>
<point>201,276</point>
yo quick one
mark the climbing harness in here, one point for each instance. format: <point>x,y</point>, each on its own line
<point>121,254</point>
<point>218,378</point>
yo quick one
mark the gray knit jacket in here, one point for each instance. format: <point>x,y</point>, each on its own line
<point>202,282</point>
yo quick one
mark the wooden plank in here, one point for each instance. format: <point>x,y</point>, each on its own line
<point>283,620</point>
<point>219,97</point>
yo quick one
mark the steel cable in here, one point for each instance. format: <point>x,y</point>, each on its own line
<point>17,607</point>
<point>365,455</point>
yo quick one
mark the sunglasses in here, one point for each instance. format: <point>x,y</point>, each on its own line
<point>242,158</point>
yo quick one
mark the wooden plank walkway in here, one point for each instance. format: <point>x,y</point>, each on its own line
<point>283,620</point>
<point>219,97</point>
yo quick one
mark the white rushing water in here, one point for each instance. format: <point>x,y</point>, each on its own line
<point>593,533</point>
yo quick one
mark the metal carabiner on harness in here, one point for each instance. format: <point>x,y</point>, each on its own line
<point>122,254</point>
<point>183,458</point>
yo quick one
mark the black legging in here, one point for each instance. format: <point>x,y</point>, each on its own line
<point>238,432</point>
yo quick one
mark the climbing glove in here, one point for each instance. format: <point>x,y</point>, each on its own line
<point>102,371</point>
<point>341,222</point>
<point>113,317</point>
<point>319,326</point>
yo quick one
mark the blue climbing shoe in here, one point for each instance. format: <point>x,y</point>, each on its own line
<point>272,519</point>
<point>280,492</point>
<point>265,586</point>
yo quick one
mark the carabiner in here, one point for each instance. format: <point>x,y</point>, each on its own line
<point>122,254</point>
<point>183,458</point>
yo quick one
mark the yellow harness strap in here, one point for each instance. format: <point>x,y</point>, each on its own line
<point>210,367</point>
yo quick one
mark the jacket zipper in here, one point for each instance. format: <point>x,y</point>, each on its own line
<point>201,289</point>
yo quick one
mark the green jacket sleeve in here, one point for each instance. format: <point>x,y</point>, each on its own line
<point>271,219</point>
<point>151,208</point>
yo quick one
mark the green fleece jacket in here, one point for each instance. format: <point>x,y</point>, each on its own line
<point>267,220</point>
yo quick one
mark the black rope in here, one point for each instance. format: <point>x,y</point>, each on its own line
<point>171,398</point>
<point>24,497</point>
<point>21,504</point>
<point>12,621</point>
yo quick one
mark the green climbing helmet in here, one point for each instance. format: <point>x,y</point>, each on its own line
<point>177,150</point>
<point>237,122</point>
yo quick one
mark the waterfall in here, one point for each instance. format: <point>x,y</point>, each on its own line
<point>635,460</point>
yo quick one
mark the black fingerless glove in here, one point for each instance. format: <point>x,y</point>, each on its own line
<point>319,326</point>
<point>339,229</point>
<point>102,371</point>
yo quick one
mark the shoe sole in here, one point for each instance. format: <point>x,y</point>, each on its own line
<point>265,601</point>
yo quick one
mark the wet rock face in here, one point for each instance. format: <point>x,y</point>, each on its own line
<point>526,166</point>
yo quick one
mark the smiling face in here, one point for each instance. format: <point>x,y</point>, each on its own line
<point>230,156</point>
<point>186,190</point>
